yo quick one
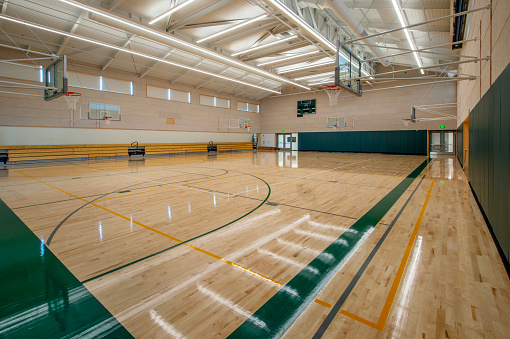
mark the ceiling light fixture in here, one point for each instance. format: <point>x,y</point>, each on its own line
<point>323,82</point>
<point>244,23</point>
<point>400,16</point>
<point>315,76</point>
<point>264,46</point>
<point>190,45</point>
<point>288,58</point>
<point>296,67</point>
<point>170,11</point>
<point>122,49</point>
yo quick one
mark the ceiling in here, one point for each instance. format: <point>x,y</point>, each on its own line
<point>206,43</point>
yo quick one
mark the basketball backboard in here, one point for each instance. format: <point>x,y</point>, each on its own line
<point>348,66</point>
<point>55,76</point>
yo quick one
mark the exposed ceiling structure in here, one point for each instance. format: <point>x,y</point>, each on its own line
<point>245,48</point>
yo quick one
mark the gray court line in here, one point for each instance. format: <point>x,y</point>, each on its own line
<point>328,181</point>
<point>336,308</point>
<point>280,204</point>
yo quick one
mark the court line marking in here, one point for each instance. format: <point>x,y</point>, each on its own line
<point>183,185</point>
<point>102,195</point>
<point>336,308</point>
<point>291,206</point>
<point>100,207</point>
<point>180,242</point>
<point>381,323</point>
<point>281,310</point>
<point>166,235</point>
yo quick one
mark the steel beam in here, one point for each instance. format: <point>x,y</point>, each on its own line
<point>180,75</point>
<point>200,13</point>
<point>154,63</point>
<point>127,42</point>
<point>72,30</point>
<point>420,23</point>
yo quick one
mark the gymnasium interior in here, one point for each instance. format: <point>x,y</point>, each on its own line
<point>254,168</point>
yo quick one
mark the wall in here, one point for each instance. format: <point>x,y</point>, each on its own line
<point>137,111</point>
<point>21,136</point>
<point>460,143</point>
<point>375,110</point>
<point>494,41</point>
<point>394,142</point>
<point>489,157</point>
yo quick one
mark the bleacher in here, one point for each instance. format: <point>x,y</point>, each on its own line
<point>57,152</point>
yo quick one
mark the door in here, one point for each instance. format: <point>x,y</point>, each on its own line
<point>284,141</point>
<point>442,142</point>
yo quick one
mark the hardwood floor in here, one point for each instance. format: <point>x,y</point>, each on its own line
<point>267,244</point>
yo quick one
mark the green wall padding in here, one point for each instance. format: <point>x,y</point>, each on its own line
<point>394,142</point>
<point>489,157</point>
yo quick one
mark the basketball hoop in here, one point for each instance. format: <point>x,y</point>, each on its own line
<point>107,119</point>
<point>248,128</point>
<point>335,127</point>
<point>406,122</point>
<point>333,92</point>
<point>72,98</point>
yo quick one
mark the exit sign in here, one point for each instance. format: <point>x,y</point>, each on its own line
<point>442,126</point>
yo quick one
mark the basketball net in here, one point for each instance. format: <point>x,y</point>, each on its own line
<point>107,119</point>
<point>333,92</point>
<point>406,122</point>
<point>335,127</point>
<point>248,128</point>
<point>72,98</point>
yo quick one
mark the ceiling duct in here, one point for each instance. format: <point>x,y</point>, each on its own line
<point>346,15</point>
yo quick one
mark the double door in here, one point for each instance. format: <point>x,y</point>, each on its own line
<point>442,142</point>
<point>284,141</point>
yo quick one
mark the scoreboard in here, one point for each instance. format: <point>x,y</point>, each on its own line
<point>306,107</point>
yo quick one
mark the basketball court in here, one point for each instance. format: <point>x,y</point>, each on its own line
<point>275,181</point>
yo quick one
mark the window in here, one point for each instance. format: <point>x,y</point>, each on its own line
<point>99,111</point>
<point>168,94</point>
<point>247,107</point>
<point>214,101</point>
<point>99,83</point>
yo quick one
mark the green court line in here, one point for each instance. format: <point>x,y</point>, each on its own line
<point>40,297</point>
<point>276,316</point>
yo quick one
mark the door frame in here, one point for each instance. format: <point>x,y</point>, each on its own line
<point>429,140</point>
<point>276,141</point>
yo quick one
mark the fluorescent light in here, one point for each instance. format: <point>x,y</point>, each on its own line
<point>122,49</point>
<point>316,76</point>
<point>297,67</point>
<point>288,58</point>
<point>170,11</point>
<point>184,43</point>
<point>244,23</point>
<point>264,46</point>
<point>323,82</point>
<point>400,16</point>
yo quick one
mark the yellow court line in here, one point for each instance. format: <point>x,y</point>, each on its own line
<point>381,323</point>
<point>323,303</point>
<point>171,237</point>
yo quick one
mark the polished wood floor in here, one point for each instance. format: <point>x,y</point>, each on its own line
<point>192,246</point>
